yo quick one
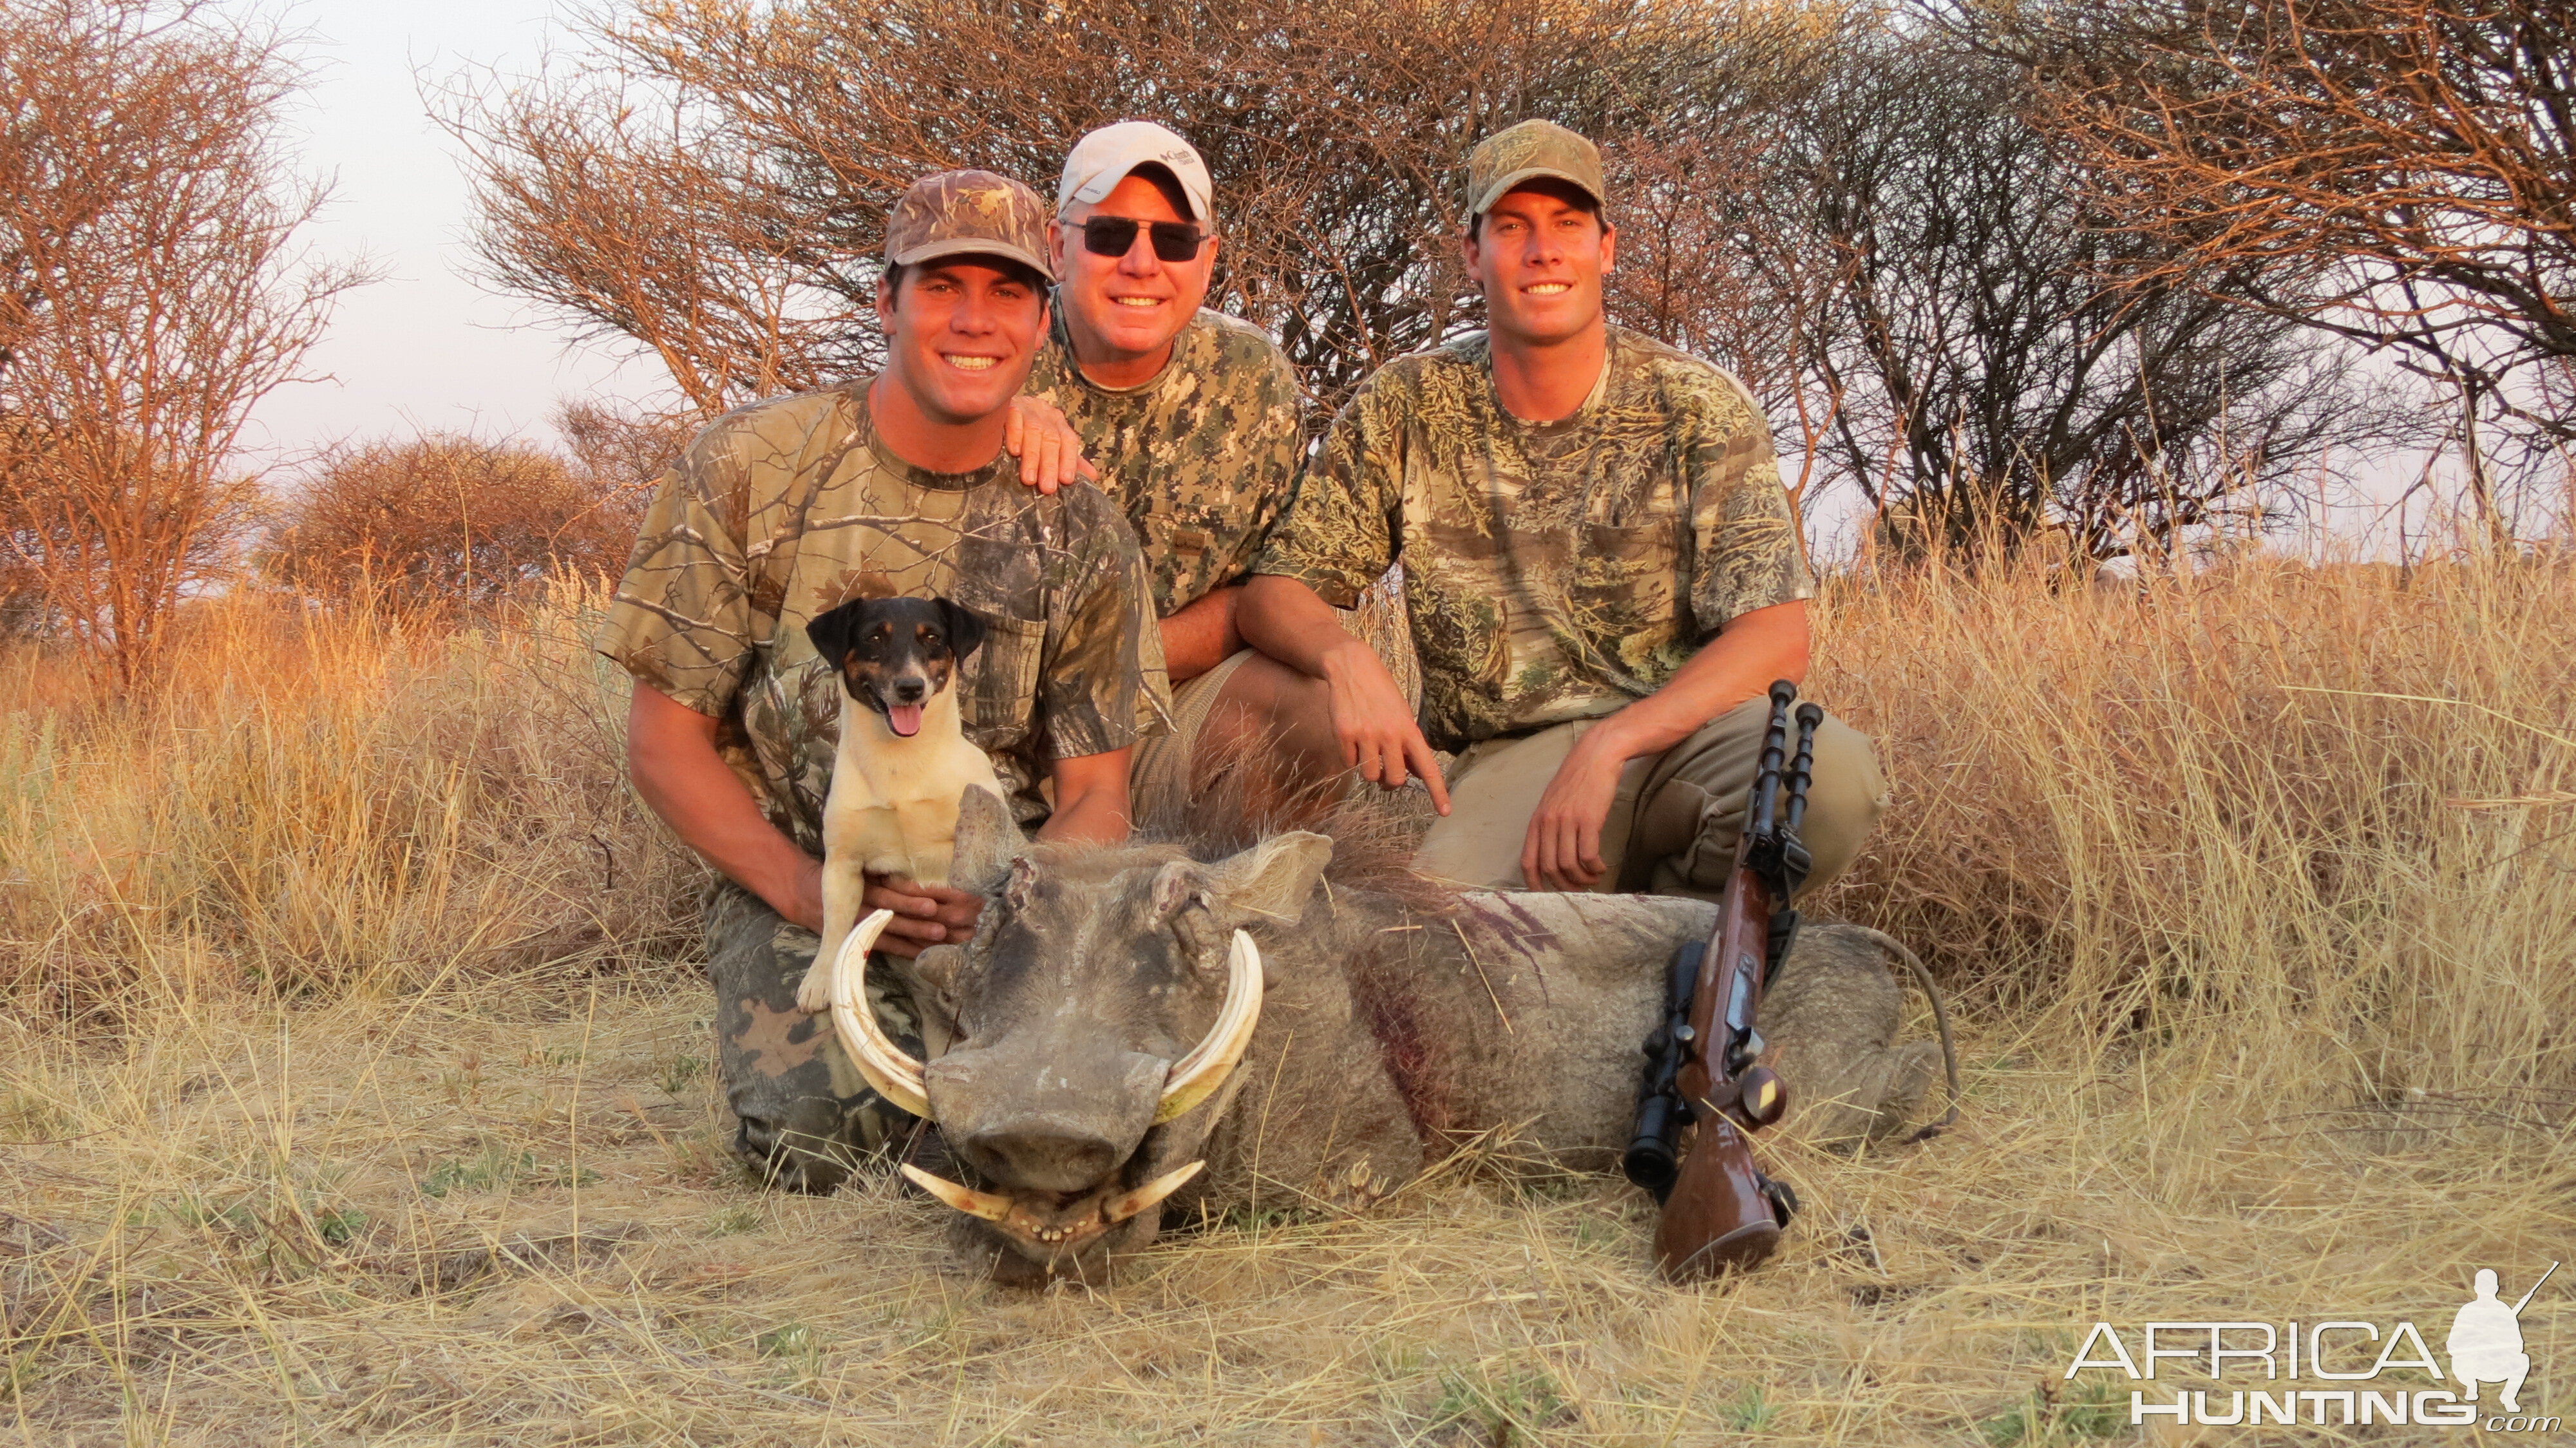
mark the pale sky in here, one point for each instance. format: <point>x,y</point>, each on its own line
<point>424,348</point>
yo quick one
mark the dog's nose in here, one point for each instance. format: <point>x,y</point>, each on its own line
<point>910,691</point>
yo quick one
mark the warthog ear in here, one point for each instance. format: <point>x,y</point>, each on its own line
<point>988,839</point>
<point>1273,879</point>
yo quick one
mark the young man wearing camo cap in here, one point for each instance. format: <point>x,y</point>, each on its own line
<point>1189,416</point>
<point>1602,568</point>
<point>892,485</point>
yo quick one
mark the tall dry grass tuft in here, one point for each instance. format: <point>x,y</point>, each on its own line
<point>315,802</point>
<point>2320,812</point>
<point>2255,884</point>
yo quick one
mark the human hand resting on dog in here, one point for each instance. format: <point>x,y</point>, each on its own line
<point>924,915</point>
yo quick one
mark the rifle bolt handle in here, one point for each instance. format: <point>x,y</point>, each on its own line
<point>1684,1034</point>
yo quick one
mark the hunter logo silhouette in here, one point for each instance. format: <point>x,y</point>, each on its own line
<point>2486,1341</point>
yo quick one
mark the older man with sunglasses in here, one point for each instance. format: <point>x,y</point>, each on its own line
<point>1189,416</point>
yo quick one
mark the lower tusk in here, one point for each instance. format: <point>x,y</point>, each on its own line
<point>1127,1204</point>
<point>987,1205</point>
<point>894,1074</point>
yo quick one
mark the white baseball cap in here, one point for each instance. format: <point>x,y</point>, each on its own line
<point>1102,159</point>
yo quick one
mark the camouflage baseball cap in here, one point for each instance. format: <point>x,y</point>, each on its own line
<point>1526,152</point>
<point>969,213</point>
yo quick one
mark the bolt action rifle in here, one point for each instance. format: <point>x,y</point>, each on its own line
<point>1719,1210</point>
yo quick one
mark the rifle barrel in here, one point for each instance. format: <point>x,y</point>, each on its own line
<point>2535,1291</point>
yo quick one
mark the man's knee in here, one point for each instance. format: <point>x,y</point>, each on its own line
<point>799,1103</point>
<point>1692,808</point>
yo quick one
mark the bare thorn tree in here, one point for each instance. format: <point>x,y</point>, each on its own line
<point>150,294</point>
<point>713,185</point>
<point>2403,170</point>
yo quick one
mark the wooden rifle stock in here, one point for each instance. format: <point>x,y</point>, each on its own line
<point>1719,1211</point>
<point>1716,1216</point>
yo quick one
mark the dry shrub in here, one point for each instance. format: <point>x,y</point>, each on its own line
<point>2259,1025</point>
<point>447,521</point>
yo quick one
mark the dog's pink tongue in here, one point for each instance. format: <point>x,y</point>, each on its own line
<point>905,719</point>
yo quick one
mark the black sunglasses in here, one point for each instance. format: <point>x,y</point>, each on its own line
<point>1113,235</point>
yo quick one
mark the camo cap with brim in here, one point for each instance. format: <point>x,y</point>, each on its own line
<point>969,213</point>
<point>1527,152</point>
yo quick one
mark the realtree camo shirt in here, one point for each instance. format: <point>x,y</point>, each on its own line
<point>1554,571</point>
<point>783,509</point>
<point>1202,457</point>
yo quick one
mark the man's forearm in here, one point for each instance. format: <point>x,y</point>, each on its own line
<point>1090,799</point>
<point>1289,621</point>
<point>671,756</point>
<point>1752,650</point>
<point>1202,635</point>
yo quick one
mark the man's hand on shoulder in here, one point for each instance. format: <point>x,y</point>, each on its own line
<point>924,915</point>
<point>1049,450</point>
<point>1562,850</point>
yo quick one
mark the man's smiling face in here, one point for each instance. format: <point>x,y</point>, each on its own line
<point>1127,309</point>
<point>1540,254</point>
<point>962,332</point>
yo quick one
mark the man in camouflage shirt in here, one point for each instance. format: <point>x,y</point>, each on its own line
<point>884,486</point>
<point>1603,572</point>
<point>1189,416</point>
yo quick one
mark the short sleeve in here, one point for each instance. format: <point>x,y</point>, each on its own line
<point>681,621</point>
<point>1102,685</point>
<point>1746,553</point>
<point>1337,534</point>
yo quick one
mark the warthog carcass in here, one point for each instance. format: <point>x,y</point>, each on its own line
<point>1133,1029</point>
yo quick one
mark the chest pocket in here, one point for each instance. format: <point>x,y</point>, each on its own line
<point>1002,680</point>
<point>1179,542</point>
<point>1625,596</point>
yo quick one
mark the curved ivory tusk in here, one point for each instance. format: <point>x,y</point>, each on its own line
<point>895,1074</point>
<point>1196,1076</point>
<point>1119,1208</point>
<point>988,1205</point>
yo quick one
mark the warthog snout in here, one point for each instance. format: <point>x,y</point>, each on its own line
<point>1051,1122</point>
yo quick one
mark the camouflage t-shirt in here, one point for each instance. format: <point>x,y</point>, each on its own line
<point>781,510</point>
<point>1201,457</point>
<point>1555,570</point>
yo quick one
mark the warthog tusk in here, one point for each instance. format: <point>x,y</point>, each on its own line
<point>1196,1076</point>
<point>990,1207</point>
<point>1127,1204</point>
<point>895,1074</point>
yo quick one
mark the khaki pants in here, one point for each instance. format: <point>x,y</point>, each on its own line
<point>1158,782</point>
<point>1674,822</point>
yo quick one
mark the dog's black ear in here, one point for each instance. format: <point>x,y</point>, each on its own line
<point>965,630</point>
<point>831,631</point>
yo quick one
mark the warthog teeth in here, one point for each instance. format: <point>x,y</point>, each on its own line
<point>1120,1208</point>
<point>987,1205</point>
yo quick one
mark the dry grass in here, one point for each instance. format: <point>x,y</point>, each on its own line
<point>367,1108</point>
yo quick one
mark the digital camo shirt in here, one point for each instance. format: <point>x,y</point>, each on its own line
<point>1557,570</point>
<point>781,510</point>
<point>1202,457</point>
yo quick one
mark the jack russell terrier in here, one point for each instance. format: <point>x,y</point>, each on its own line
<point>904,760</point>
